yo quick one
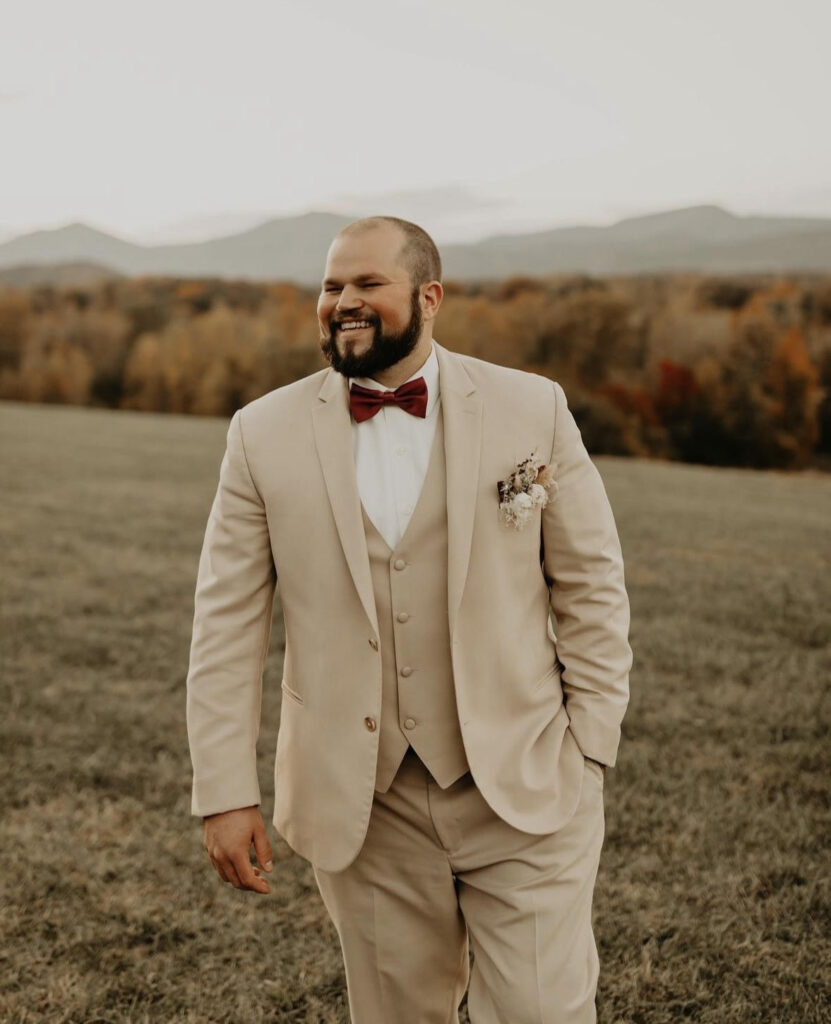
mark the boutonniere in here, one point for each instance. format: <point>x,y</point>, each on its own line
<point>526,489</point>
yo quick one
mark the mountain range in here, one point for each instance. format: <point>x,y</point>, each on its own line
<point>705,239</point>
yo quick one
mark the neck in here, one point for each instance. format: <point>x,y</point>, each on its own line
<point>405,368</point>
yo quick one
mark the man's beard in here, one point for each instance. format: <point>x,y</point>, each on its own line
<point>386,349</point>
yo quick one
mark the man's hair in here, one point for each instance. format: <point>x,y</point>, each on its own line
<point>418,252</point>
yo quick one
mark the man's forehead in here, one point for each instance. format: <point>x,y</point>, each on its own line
<point>351,259</point>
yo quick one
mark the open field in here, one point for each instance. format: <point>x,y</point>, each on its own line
<point>714,897</point>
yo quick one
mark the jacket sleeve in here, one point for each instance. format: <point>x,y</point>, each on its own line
<point>233,604</point>
<point>583,566</point>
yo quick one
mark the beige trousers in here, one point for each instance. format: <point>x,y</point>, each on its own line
<point>439,868</point>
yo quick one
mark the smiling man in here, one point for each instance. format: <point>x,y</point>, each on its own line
<point>367,341</point>
<point>442,744</point>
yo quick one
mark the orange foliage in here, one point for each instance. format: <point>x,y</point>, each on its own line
<point>791,359</point>
<point>709,369</point>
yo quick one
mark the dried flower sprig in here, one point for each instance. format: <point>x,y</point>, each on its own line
<point>527,488</point>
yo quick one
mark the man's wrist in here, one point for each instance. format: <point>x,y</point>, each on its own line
<point>215,814</point>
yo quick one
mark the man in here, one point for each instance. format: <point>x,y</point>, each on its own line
<point>441,750</point>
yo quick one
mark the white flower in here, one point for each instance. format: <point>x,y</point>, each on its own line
<point>538,495</point>
<point>521,493</point>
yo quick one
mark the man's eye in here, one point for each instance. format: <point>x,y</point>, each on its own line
<point>368,284</point>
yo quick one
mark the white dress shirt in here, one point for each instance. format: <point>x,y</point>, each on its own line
<point>392,450</point>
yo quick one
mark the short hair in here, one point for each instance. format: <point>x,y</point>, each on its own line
<point>418,253</point>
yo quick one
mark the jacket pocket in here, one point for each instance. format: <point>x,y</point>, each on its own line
<point>287,689</point>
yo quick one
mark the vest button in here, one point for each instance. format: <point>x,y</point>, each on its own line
<point>370,723</point>
<point>406,671</point>
<point>402,616</point>
<point>399,563</point>
<point>409,723</point>
<point>373,643</point>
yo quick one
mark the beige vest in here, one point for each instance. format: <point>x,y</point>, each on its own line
<point>418,703</point>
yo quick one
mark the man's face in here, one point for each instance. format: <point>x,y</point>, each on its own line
<point>364,284</point>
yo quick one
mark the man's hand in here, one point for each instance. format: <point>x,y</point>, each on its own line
<point>228,837</point>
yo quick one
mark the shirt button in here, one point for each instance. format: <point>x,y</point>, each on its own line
<point>402,616</point>
<point>406,671</point>
<point>373,643</point>
<point>399,563</point>
<point>400,451</point>
<point>406,511</point>
<point>409,723</point>
<point>370,723</point>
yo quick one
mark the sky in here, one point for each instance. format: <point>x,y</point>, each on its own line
<point>179,120</point>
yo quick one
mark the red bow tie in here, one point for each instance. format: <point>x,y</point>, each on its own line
<point>412,396</point>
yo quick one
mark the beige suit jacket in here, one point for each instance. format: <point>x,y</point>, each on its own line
<point>533,697</point>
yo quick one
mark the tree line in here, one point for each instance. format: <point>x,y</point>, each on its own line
<point>725,371</point>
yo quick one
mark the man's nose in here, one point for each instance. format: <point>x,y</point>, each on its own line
<point>349,299</point>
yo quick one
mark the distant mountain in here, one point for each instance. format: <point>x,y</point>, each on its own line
<point>698,238</point>
<point>201,229</point>
<point>288,248</point>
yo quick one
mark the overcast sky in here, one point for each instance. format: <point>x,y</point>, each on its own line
<point>160,120</point>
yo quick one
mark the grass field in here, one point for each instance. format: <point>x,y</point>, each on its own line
<point>713,901</point>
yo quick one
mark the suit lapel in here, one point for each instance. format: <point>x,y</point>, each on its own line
<point>333,438</point>
<point>462,410</point>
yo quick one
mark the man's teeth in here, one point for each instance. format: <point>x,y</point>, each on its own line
<point>352,325</point>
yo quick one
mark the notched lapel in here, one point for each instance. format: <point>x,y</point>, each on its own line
<point>462,411</point>
<point>333,439</point>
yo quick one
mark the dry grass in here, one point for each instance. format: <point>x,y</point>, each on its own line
<point>713,899</point>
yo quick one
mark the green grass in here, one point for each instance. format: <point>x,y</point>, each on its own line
<point>712,903</point>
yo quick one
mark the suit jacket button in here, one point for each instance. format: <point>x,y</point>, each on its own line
<point>402,616</point>
<point>406,671</point>
<point>409,723</point>
<point>373,643</point>
<point>399,563</point>
<point>370,723</point>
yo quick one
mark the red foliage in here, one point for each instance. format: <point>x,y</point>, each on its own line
<point>676,387</point>
<point>633,401</point>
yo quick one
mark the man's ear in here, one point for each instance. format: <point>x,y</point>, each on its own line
<point>431,298</point>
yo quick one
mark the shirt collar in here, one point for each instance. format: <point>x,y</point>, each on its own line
<point>429,370</point>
